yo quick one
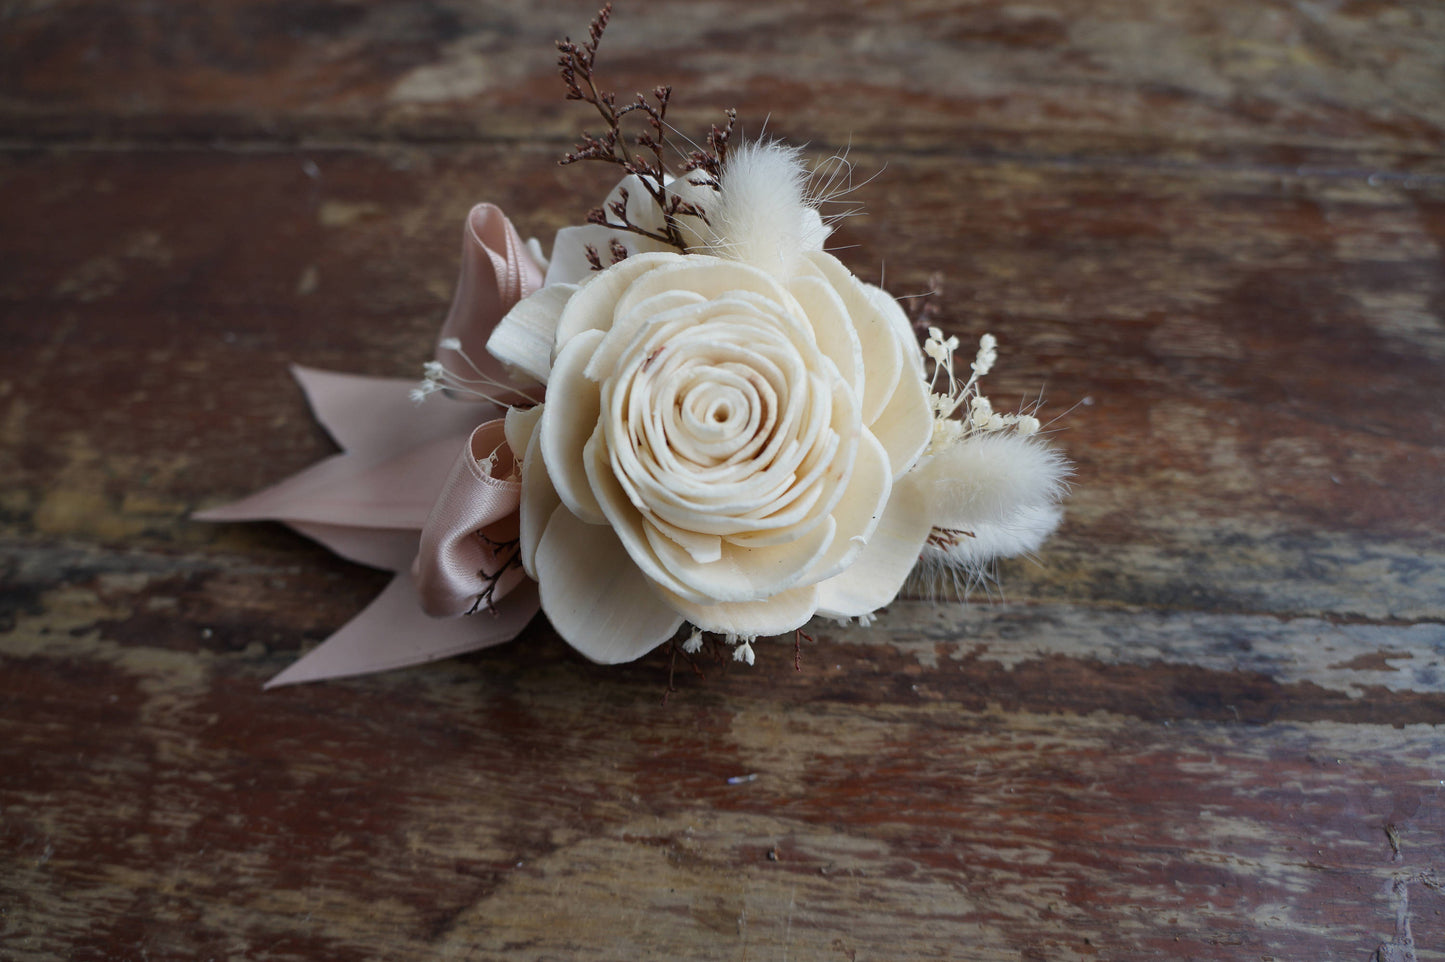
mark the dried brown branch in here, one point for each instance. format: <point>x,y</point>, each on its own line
<point>509,556</point>
<point>577,65</point>
<point>946,538</point>
<point>712,160</point>
<point>926,309</point>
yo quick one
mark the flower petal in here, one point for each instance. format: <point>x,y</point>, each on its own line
<point>568,420</point>
<point>595,597</point>
<point>905,425</point>
<point>897,318</point>
<point>520,425</point>
<point>627,524</point>
<point>539,500</point>
<point>777,615</point>
<point>523,339</point>
<point>745,574</point>
<point>642,210</point>
<point>882,354</point>
<point>591,307</point>
<point>836,337</point>
<point>858,511</point>
<point>569,250</point>
<point>569,264</point>
<point>875,577</point>
<point>703,278</point>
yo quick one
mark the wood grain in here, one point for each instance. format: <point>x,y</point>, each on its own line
<point>1204,724</point>
<point>1353,82</point>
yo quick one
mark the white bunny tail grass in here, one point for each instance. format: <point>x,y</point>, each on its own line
<point>956,563</point>
<point>985,478</point>
<point>989,496</point>
<point>763,214</point>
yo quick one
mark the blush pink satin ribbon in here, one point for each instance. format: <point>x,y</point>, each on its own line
<point>402,499</point>
<point>497,272</point>
<point>469,558</point>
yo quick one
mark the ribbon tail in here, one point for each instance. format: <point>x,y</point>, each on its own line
<point>376,416</point>
<point>370,503</point>
<point>390,549</point>
<point>392,632</point>
<point>353,490</point>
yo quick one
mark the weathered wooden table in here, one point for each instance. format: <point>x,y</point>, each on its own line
<point>1205,725</point>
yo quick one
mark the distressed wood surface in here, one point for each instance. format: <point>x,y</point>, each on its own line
<point>1204,725</point>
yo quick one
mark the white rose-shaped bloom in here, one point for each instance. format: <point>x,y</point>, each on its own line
<point>719,445</point>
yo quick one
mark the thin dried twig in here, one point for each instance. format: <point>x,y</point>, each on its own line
<point>577,65</point>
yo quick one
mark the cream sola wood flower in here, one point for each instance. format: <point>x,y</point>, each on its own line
<point>740,436</point>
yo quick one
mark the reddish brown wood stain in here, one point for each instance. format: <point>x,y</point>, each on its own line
<point>1205,725</point>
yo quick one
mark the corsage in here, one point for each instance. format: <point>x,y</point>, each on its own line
<point>689,424</point>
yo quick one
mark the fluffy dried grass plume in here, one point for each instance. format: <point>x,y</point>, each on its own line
<point>763,213</point>
<point>989,496</point>
<point>989,478</point>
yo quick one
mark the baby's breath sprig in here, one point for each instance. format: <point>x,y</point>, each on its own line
<point>700,647</point>
<point>949,393</point>
<point>741,646</point>
<point>576,65</point>
<point>472,382</point>
<point>508,555</point>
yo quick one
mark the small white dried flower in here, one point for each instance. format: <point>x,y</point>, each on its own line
<point>982,411</point>
<point>987,355</point>
<point>694,642</point>
<point>940,349</point>
<point>488,465</point>
<point>458,383</point>
<point>946,431</point>
<point>744,652</point>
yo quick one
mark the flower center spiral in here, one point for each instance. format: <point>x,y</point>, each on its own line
<point>720,420</point>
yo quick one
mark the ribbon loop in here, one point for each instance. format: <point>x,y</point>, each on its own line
<point>469,557</point>
<point>497,271</point>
